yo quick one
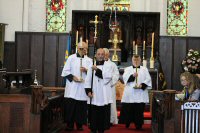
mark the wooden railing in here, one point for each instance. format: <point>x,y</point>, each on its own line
<point>50,101</point>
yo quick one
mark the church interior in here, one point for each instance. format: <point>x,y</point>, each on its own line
<point>38,36</point>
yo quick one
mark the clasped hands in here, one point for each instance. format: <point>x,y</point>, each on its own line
<point>136,75</point>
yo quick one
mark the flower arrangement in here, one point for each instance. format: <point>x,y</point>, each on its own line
<point>191,63</point>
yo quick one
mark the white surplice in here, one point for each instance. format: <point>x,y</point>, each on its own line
<point>132,95</point>
<point>73,89</point>
<point>102,91</point>
<point>115,78</point>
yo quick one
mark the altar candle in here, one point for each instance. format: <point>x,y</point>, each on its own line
<point>152,46</point>
<point>136,49</point>
<point>81,41</point>
<point>76,37</point>
<point>144,45</point>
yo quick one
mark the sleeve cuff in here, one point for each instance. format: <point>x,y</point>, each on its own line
<point>131,79</point>
<point>144,86</point>
<point>69,77</point>
<point>87,90</point>
<point>99,73</point>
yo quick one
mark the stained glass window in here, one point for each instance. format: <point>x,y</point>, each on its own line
<point>177,17</point>
<point>56,15</point>
<point>121,5</point>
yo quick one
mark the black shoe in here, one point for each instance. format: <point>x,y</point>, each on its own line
<point>69,129</point>
<point>128,125</point>
<point>80,128</point>
<point>138,127</point>
<point>93,131</point>
<point>111,124</point>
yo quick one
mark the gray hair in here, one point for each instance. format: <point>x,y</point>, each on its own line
<point>106,50</point>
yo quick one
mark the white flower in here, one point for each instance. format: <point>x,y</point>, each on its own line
<point>185,68</point>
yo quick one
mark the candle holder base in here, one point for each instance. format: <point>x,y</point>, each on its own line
<point>80,80</point>
<point>136,87</point>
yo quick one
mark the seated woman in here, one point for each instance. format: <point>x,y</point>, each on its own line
<point>191,90</point>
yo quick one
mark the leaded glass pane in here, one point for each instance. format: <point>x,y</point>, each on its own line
<point>177,17</point>
<point>56,15</point>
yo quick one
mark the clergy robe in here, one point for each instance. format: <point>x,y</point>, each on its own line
<point>115,78</point>
<point>76,98</point>
<point>133,100</point>
<point>102,96</point>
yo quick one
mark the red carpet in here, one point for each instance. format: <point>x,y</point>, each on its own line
<point>118,129</point>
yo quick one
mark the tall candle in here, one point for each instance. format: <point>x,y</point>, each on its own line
<point>144,45</point>
<point>136,49</point>
<point>76,37</point>
<point>152,45</point>
<point>81,41</point>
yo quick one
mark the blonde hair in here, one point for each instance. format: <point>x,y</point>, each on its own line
<point>189,78</point>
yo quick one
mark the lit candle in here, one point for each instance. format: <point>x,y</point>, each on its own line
<point>152,46</point>
<point>144,45</point>
<point>136,49</point>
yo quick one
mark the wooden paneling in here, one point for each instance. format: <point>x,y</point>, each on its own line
<point>9,56</point>
<point>166,58</point>
<point>179,53</point>
<point>37,51</point>
<point>172,51</point>
<point>194,43</point>
<point>61,51</point>
<point>15,113</point>
<point>44,52</point>
<point>50,60</point>
<point>23,51</point>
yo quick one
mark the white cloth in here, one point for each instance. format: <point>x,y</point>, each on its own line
<point>132,95</point>
<point>73,89</point>
<point>115,78</point>
<point>102,91</point>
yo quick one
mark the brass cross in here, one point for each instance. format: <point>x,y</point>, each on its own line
<point>95,22</point>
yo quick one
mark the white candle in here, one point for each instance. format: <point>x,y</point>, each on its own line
<point>81,41</point>
<point>136,49</point>
<point>144,63</point>
<point>152,45</point>
<point>144,45</point>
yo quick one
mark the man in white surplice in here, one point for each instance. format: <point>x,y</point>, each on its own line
<point>115,78</point>
<point>135,94</point>
<point>75,108</point>
<point>100,93</point>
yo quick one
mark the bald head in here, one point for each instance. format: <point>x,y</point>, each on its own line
<point>100,54</point>
<point>107,54</point>
<point>82,48</point>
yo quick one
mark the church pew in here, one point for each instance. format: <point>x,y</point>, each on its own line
<point>35,113</point>
<point>15,116</point>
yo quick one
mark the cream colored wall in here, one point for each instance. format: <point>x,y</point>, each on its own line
<point>31,16</point>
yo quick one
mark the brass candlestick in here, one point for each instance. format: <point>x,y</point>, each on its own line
<point>136,80</point>
<point>35,78</point>
<point>81,78</point>
<point>115,41</point>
